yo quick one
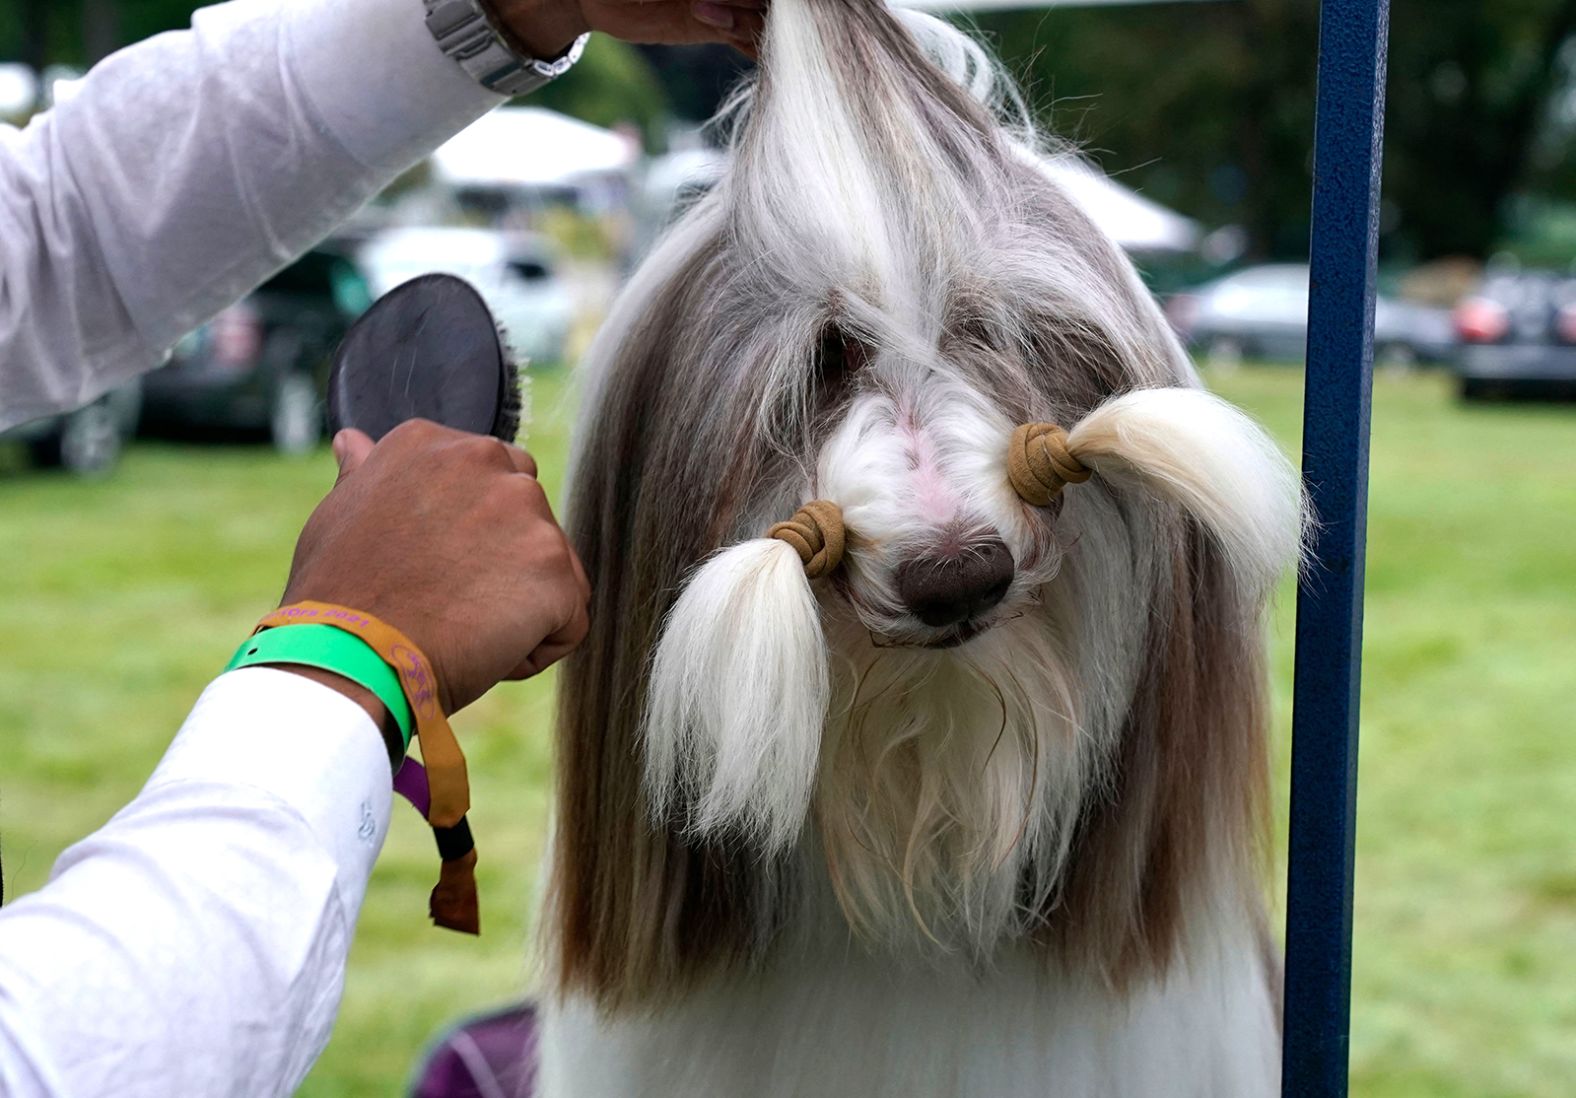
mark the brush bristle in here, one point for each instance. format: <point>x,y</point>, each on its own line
<point>511,409</point>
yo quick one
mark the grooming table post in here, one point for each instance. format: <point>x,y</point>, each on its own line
<point>1349,136</point>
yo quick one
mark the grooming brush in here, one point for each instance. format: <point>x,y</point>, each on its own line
<point>430,349</point>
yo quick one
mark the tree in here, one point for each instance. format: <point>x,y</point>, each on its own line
<point>1470,104</point>
<point>612,84</point>
<point>697,78</point>
<point>1209,107</point>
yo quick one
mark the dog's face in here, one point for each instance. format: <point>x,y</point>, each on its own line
<point>942,549</point>
<point>998,719</point>
<point>979,648</point>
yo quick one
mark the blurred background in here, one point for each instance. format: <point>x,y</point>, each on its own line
<point>1195,117</point>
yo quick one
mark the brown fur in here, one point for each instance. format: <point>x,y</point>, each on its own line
<point>1190,785</point>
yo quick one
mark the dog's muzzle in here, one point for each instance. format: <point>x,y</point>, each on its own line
<point>952,591</point>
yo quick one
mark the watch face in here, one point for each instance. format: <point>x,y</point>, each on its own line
<point>428,349</point>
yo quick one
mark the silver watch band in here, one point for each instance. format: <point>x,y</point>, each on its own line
<point>464,33</point>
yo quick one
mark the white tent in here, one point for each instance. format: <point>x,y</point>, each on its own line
<point>530,146</point>
<point>18,89</point>
<point>1137,223</point>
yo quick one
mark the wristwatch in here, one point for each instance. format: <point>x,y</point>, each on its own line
<point>464,32</point>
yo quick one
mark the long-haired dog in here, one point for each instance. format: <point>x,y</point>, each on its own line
<point>919,745</point>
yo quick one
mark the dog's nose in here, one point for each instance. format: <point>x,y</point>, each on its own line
<point>946,590</point>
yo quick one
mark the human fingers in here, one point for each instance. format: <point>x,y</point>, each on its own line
<point>351,448</point>
<point>677,22</point>
<point>556,645</point>
<point>522,461</point>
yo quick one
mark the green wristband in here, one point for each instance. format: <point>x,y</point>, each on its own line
<point>331,649</point>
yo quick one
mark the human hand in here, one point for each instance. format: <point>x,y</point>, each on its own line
<point>449,538</point>
<point>547,27</point>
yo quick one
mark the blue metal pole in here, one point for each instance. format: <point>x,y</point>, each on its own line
<point>1348,146</point>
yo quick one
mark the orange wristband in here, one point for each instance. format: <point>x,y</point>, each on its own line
<point>453,903</point>
<point>440,752</point>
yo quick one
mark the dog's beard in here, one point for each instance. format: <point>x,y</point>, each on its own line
<point>950,783</point>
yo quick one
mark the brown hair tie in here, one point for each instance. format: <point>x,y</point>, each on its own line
<point>1040,465</point>
<point>816,533</point>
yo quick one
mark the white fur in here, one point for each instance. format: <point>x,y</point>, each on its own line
<point>950,784</point>
<point>738,696</point>
<point>829,1022</point>
<point>1217,464</point>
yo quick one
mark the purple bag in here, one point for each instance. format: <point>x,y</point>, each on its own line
<point>489,1056</point>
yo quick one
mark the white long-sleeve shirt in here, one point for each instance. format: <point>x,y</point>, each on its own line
<point>191,167</point>
<point>196,944</point>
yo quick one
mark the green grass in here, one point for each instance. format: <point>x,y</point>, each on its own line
<point>120,599</point>
<point>1465,946</point>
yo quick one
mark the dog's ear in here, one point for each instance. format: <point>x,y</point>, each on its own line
<point>1196,450</point>
<point>737,699</point>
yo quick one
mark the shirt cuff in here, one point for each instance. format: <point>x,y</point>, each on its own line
<point>378,80</point>
<point>309,746</point>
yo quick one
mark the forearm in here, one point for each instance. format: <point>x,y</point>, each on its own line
<point>196,944</point>
<point>192,166</point>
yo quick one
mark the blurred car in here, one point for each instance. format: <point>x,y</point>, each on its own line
<point>261,366</point>
<point>1518,335</point>
<point>517,274</point>
<point>1262,313</point>
<point>88,441</point>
